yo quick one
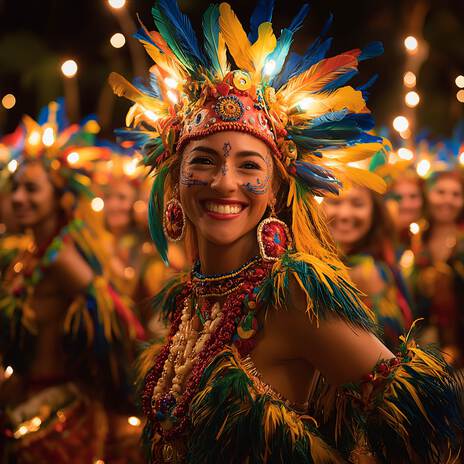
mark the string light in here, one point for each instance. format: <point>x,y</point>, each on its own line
<point>8,101</point>
<point>73,157</point>
<point>461,158</point>
<point>423,167</point>
<point>48,137</point>
<point>171,82</point>
<point>412,99</point>
<point>414,228</point>
<point>460,96</point>
<point>97,204</point>
<point>130,167</point>
<point>8,372</point>
<point>149,114</point>
<point>34,138</point>
<point>409,79</point>
<point>12,166</point>
<point>69,68</point>
<point>134,421</point>
<point>460,81</point>
<point>400,124</point>
<point>405,154</point>
<point>116,4</point>
<point>118,40</point>
<point>407,259</point>
<point>411,44</point>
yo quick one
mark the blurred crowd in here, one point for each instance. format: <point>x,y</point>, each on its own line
<point>79,270</point>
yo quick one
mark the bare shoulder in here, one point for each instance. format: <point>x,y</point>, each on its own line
<point>71,269</point>
<point>338,348</point>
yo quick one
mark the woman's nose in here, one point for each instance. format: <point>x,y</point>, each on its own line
<point>225,180</point>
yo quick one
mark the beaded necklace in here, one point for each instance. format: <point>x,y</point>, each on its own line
<point>173,381</point>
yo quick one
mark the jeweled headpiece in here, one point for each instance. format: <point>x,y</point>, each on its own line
<point>299,105</point>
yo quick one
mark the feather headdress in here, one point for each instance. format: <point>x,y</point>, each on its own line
<point>301,106</point>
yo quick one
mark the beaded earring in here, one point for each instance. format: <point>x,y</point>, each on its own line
<point>274,237</point>
<point>174,219</point>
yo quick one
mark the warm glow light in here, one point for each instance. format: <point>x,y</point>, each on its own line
<point>8,372</point>
<point>134,421</point>
<point>405,154</point>
<point>48,138</point>
<point>34,138</point>
<point>151,115</point>
<point>12,166</point>
<point>269,67</point>
<point>97,204</point>
<point>130,167</point>
<point>409,79</point>
<point>117,40</point>
<point>69,68</point>
<point>460,81</point>
<point>305,103</point>
<point>116,3</point>
<point>423,167</point>
<point>407,259</point>
<point>411,43</point>
<point>414,228</point>
<point>461,158</point>
<point>400,123</point>
<point>405,134</point>
<point>73,157</point>
<point>319,199</point>
<point>412,99</point>
<point>460,96</point>
<point>172,96</point>
<point>8,101</point>
<point>36,421</point>
<point>171,82</point>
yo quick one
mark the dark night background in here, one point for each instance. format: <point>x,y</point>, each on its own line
<point>36,37</point>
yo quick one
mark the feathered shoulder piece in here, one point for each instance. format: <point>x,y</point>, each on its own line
<point>327,288</point>
<point>301,106</point>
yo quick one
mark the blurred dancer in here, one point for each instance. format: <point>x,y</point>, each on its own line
<point>438,276</point>
<point>65,333</point>
<point>364,231</point>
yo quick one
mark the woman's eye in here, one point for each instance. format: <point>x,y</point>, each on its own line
<point>200,160</point>
<point>250,165</point>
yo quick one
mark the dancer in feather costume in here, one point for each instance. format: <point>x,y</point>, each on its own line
<point>65,330</point>
<point>271,355</point>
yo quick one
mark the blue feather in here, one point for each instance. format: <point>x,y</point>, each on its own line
<point>261,14</point>
<point>285,40</point>
<point>329,117</point>
<point>371,51</point>
<point>142,35</point>
<point>298,20</point>
<point>151,88</point>
<point>61,118</point>
<point>365,88</point>
<point>291,65</point>
<point>340,81</point>
<point>317,178</point>
<point>211,30</point>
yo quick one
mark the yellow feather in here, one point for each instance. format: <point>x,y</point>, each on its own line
<point>364,179</point>
<point>222,55</point>
<point>345,97</point>
<point>235,38</point>
<point>349,154</point>
<point>264,45</point>
<point>123,88</point>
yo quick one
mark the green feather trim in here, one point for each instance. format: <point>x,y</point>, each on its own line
<point>327,290</point>
<point>156,214</point>
<point>235,422</point>
<point>165,299</point>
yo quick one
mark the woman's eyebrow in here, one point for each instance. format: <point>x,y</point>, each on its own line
<point>203,149</point>
<point>245,153</point>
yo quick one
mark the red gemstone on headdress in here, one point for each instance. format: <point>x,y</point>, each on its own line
<point>223,88</point>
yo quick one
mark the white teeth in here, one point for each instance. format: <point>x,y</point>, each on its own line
<point>223,209</point>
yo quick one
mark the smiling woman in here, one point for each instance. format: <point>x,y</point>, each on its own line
<point>272,355</point>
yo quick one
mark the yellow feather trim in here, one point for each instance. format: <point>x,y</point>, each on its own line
<point>264,45</point>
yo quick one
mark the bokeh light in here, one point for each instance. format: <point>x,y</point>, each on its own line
<point>400,124</point>
<point>8,101</point>
<point>411,44</point>
<point>409,79</point>
<point>118,40</point>
<point>412,99</point>
<point>69,68</point>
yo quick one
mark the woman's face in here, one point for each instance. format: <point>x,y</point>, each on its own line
<point>33,197</point>
<point>225,185</point>
<point>446,200</point>
<point>349,216</point>
<point>119,202</point>
<point>409,202</point>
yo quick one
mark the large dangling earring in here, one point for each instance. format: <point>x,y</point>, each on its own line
<point>174,219</point>
<point>274,237</point>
